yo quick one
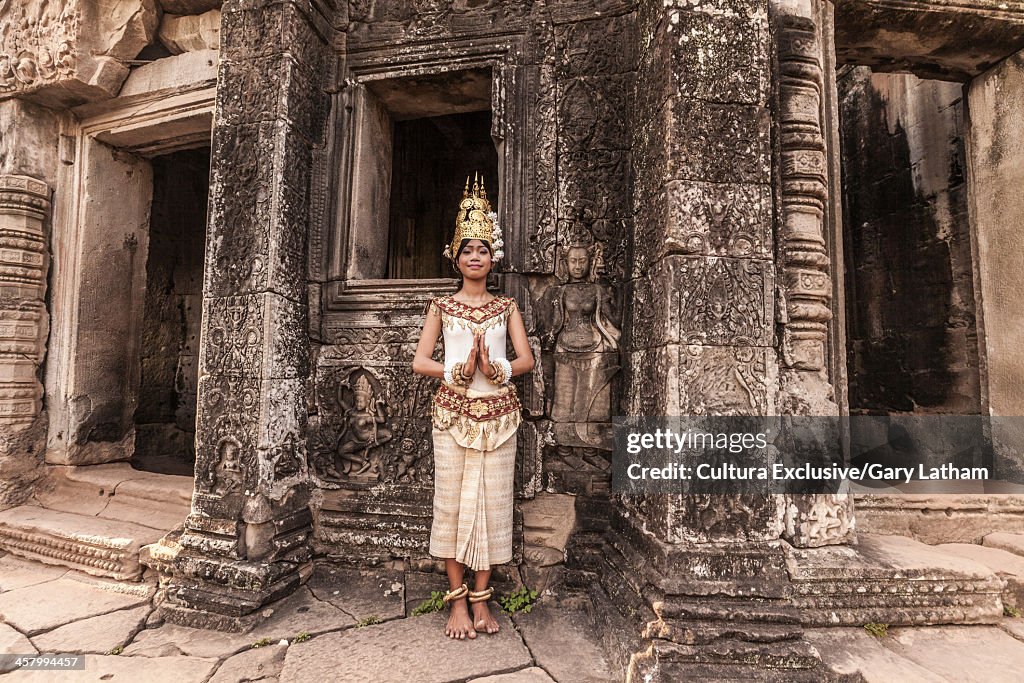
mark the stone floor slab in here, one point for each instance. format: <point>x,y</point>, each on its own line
<point>17,572</point>
<point>563,641</point>
<point>171,639</point>
<point>852,651</point>
<point>360,592</point>
<point>1006,565</point>
<point>1011,543</point>
<point>534,674</point>
<point>13,643</point>
<point>252,665</point>
<point>96,635</point>
<point>117,668</point>
<point>1014,626</point>
<point>45,606</point>
<point>412,649</point>
<point>964,654</point>
<point>300,612</point>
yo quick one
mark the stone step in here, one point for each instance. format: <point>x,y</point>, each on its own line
<point>95,545</point>
<point>1011,543</point>
<point>116,491</point>
<point>892,580</point>
<point>1008,566</point>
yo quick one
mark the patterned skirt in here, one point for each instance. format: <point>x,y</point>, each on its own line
<point>472,502</point>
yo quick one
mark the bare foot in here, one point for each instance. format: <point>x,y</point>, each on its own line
<point>483,620</point>
<point>459,625</point>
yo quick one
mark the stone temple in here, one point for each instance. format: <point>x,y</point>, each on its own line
<point>220,220</point>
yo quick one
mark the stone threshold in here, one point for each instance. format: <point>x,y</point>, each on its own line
<point>98,519</point>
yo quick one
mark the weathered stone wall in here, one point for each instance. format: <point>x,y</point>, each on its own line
<point>913,340</point>
<point>562,80</point>
<point>996,169</point>
<point>165,419</point>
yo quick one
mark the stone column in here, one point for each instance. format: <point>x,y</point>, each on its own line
<point>808,141</point>
<point>246,539</point>
<point>706,574</point>
<point>24,212</point>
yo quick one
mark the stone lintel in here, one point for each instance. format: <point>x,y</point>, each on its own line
<point>954,42</point>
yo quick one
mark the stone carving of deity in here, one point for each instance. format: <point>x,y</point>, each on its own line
<point>586,339</point>
<point>362,431</point>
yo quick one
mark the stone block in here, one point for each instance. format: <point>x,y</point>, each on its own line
<point>74,52</point>
<point>91,544</point>
<point>548,521</point>
<point>191,33</point>
<point>259,190</point>
<point>720,143</point>
<point>261,663</point>
<point>1006,565</point>
<point>171,74</point>
<point>959,653</point>
<point>892,580</point>
<point>1013,543</point>
<point>719,58</point>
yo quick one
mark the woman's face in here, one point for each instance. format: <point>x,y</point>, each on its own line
<point>475,260</point>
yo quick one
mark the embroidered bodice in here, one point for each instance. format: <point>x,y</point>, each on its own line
<point>481,415</point>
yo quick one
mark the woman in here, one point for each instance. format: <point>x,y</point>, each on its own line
<point>475,416</point>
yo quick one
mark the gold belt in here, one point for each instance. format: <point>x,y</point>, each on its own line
<point>479,407</point>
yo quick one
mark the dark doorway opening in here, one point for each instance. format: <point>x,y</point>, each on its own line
<point>432,158</point>
<point>165,419</point>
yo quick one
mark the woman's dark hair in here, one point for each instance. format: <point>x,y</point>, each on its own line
<point>467,241</point>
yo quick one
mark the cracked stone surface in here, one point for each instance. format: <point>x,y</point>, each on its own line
<point>12,642</point>
<point>550,631</point>
<point>171,639</point>
<point>300,612</point>
<point>96,635</point>
<point>252,665</point>
<point>412,649</point>
<point>361,592</point>
<point>16,572</point>
<point>534,674</point>
<point>46,606</point>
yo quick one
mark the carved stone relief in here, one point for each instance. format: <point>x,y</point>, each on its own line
<point>66,53</point>
<point>24,211</point>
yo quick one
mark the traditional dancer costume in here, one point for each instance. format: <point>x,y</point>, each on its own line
<point>474,419</point>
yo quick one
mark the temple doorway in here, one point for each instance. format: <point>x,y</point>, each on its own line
<point>165,417</point>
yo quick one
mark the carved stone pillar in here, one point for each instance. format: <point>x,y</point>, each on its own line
<point>24,210</point>
<point>807,120</point>
<point>247,537</point>
<point>704,574</point>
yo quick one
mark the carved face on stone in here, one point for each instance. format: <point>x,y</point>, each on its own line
<point>229,456</point>
<point>362,400</point>
<point>475,259</point>
<point>578,262</point>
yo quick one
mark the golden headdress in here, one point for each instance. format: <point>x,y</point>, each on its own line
<point>476,221</point>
